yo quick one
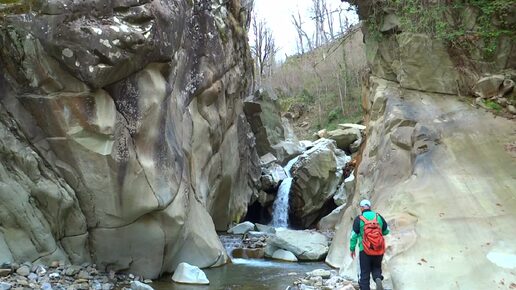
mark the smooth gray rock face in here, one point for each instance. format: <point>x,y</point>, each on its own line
<point>427,166</point>
<point>123,139</point>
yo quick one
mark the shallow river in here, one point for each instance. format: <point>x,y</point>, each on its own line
<point>247,274</point>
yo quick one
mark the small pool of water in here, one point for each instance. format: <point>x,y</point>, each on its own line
<point>247,274</point>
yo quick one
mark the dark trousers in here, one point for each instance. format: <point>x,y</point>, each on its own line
<point>369,265</point>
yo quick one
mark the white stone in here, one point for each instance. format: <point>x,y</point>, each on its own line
<point>5,286</point>
<point>106,43</point>
<point>241,228</point>
<point>135,285</point>
<point>347,287</point>
<point>281,254</point>
<point>350,125</point>
<point>325,274</point>
<point>97,30</point>
<point>188,274</point>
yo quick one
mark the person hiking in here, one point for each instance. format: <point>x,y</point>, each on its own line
<point>368,231</point>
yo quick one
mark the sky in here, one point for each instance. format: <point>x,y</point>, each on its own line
<point>277,14</point>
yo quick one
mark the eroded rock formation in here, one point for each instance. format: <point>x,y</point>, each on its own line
<point>318,174</point>
<point>438,168</point>
<point>123,136</point>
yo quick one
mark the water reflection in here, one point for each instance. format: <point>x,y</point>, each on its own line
<point>247,274</point>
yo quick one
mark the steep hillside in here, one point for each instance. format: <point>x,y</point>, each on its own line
<point>321,88</point>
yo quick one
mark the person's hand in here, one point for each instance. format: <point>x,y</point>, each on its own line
<point>353,255</point>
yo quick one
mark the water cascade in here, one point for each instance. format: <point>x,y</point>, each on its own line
<point>280,206</point>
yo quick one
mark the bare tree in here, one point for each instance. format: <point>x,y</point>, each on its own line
<point>343,22</point>
<point>264,48</point>
<point>301,34</point>
<point>319,16</point>
<point>329,20</point>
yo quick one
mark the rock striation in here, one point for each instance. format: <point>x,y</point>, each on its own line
<point>123,139</point>
<point>438,168</point>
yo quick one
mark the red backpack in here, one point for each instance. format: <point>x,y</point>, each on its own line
<point>372,240</point>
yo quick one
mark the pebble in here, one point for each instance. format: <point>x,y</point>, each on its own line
<point>85,277</point>
<point>5,272</point>
<point>5,286</point>
<point>322,279</point>
<point>32,277</point>
<point>23,271</point>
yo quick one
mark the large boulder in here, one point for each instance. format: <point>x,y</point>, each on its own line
<point>271,177</point>
<point>305,245</point>
<point>489,86</point>
<point>274,134</point>
<point>317,173</point>
<point>348,139</point>
<point>123,138</point>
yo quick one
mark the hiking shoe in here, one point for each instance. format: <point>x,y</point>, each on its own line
<point>379,285</point>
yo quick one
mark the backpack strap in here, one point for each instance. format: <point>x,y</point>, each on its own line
<point>362,218</point>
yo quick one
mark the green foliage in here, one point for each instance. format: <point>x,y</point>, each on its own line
<point>466,24</point>
<point>306,97</point>
<point>9,1</point>
<point>492,105</point>
<point>334,114</point>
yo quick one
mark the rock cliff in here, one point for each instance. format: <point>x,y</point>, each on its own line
<point>438,167</point>
<point>123,139</point>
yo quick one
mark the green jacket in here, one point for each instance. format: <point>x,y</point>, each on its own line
<point>358,229</point>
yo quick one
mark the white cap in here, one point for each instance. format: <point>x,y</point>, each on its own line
<point>365,203</point>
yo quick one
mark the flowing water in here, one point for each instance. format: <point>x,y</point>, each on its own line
<point>247,274</point>
<point>230,242</point>
<point>280,206</point>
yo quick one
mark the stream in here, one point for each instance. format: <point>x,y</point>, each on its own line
<point>247,274</point>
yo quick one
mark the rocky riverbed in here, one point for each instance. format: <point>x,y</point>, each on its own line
<point>323,279</point>
<point>59,276</point>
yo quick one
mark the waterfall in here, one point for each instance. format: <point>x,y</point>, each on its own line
<point>280,206</point>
